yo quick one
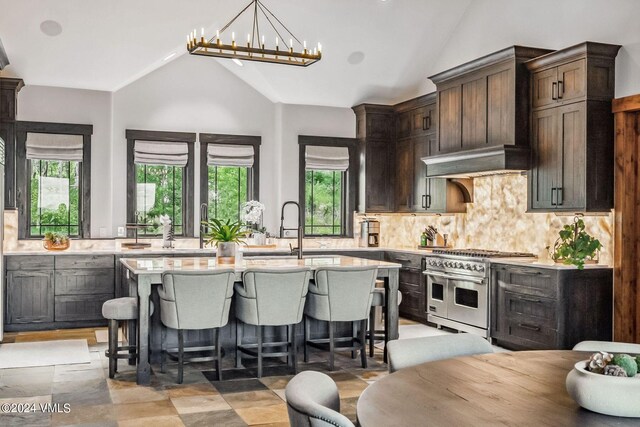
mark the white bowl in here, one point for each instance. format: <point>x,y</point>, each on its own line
<point>604,394</point>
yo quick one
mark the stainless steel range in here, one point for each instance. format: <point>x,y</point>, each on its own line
<point>458,288</point>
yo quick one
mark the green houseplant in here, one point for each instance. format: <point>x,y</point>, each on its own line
<point>55,241</point>
<point>575,246</point>
<point>225,236</point>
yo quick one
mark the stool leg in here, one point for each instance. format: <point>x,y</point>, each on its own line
<point>113,347</point>
<point>259,333</point>
<point>372,330</point>
<point>288,343</point>
<point>306,338</point>
<point>218,355</point>
<point>354,334</point>
<point>180,356</point>
<point>163,348</point>
<point>363,347</point>
<point>294,350</point>
<point>132,339</point>
<point>332,347</point>
<point>238,343</point>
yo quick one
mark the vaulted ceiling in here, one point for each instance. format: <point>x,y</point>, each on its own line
<point>374,50</point>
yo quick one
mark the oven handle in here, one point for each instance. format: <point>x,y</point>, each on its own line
<point>451,277</point>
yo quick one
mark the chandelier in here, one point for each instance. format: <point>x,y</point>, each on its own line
<point>254,49</point>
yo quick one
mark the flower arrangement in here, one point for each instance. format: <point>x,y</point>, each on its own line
<point>55,241</point>
<point>618,365</point>
<point>252,212</point>
<point>575,246</point>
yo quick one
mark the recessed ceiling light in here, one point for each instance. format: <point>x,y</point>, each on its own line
<point>51,28</point>
<point>237,61</point>
<point>355,58</point>
<point>170,56</point>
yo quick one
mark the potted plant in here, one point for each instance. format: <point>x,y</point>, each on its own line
<point>575,246</point>
<point>225,236</point>
<point>55,241</point>
<point>252,215</point>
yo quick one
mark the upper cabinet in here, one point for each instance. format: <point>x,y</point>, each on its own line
<point>572,129</point>
<point>9,89</point>
<point>375,130</point>
<point>483,111</point>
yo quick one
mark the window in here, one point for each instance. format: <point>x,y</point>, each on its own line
<point>229,167</point>
<point>327,168</point>
<point>160,180</point>
<point>53,179</point>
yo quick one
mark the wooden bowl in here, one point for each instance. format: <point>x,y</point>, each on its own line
<point>51,246</point>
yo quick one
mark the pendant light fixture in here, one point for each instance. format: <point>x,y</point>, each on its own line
<point>255,48</point>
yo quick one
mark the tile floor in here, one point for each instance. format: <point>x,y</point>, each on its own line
<point>239,400</point>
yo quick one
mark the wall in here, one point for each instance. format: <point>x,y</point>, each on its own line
<point>496,220</point>
<point>63,105</point>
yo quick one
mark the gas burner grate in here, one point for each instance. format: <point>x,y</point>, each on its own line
<point>482,253</point>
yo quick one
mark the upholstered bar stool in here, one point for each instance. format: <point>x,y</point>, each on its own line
<point>118,310</point>
<point>340,294</point>
<point>270,298</point>
<point>378,300</point>
<point>195,300</point>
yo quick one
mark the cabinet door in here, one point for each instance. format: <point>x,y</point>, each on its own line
<point>546,160</point>
<point>404,175</point>
<point>450,120</point>
<point>421,120</point>
<point>380,126</point>
<point>85,281</point>
<point>404,124</point>
<point>379,179</point>
<point>436,195</point>
<point>572,83</point>
<point>500,107</point>
<point>29,296</point>
<point>571,192</point>
<point>420,150</point>
<point>544,88</point>
<point>474,113</point>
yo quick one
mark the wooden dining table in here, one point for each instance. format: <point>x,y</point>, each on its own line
<point>525,388</point>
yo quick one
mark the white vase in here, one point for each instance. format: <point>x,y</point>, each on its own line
<point>226,252</point>
<point>604,394</point>
<point>259,239</point>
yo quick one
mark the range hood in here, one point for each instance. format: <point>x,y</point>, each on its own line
<point>492,160</point>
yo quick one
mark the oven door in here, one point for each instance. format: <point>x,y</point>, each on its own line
<point>436,294</point>
<point>467,300</point>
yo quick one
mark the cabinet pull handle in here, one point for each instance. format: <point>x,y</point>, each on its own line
<point>424,123</point>
<point>424,201</point>
<point>553,191</point>
<point>428,201</point>
<point>530,327</point>
<point>402,259</point>
<point>554,88</point>
<point>559,196</point>
<point>525,272</point>
<point>560,89</point>
<point>535,301</point>
<point>429,121</point>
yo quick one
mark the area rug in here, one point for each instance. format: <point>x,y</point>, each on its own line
<point>43,353</point>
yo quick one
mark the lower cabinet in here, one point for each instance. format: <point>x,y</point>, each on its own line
<point>549,308</point>
<point>30,296</point>
<point>411,284</point>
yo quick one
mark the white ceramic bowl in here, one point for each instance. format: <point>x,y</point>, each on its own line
<point>604,394</point>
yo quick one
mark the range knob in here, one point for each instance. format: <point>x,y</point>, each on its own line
<point>480,268</point>
<point>459,265</point>
<point>468,267</point>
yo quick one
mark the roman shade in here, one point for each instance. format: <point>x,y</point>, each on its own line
<point>161,153</point>
<point>51,146</point>
<point>326,158</point>
<point>230,155</point>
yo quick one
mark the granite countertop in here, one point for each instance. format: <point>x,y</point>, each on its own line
<point>161,265</point>
<point>535,262</point>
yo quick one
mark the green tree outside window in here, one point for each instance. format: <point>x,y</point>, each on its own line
<point>159,192</point>
<point>323,203</point>
<point>227,191</point>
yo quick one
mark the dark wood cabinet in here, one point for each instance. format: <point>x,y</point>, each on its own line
<point>375,130</point>
<point>572,129</point>
<point>30,296</point>
<point>404,171</point>
<point>550,308</point>
<point>9,88</point>
<point>411,284</point>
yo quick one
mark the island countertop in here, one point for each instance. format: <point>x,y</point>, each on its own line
<point>162,264</point>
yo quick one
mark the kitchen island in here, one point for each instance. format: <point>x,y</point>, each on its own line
<point>144,273</point>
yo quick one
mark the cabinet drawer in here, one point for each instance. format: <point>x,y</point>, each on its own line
<point>527,280</point>
<point>411,303</point>
<point>410,277</point>
<point>80,307</point>
<point>541,310</point>
<point>530,333</point>
<point>84,282</point>
<point>30,262</point>
<point>406,259</point>
<point>84,261</point>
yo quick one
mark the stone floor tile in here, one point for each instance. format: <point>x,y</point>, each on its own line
<point>136,394</point>
<point>202,403</point>
<point>42,371</point>
<point>252,399</point>
<point>351,388</point>
<point>237,386</point>
<point>24,390</point>
<point>159,408</point>
<point>265,414</point>
<point>277,382</point>
<point>164,421</point>
<point>92,392</point>
<point>85,415</point>
<point>280,394</point>
<point>185,390</point>
<point>31,419</point>
<point>78,375</point>
<point>218,419</point>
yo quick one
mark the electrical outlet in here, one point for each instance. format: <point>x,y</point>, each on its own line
<point>121,232</point>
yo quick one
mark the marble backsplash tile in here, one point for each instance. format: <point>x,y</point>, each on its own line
<point>496,220</point>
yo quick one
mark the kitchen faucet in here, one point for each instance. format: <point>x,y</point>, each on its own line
<point>300,228</point>
<point>204,216</point>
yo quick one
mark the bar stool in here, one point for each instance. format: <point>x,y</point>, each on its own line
<point>378,300</point>
<point>270,298</point>
<point>340,294</point>
<point>195,300</point>
<point>117,310</point>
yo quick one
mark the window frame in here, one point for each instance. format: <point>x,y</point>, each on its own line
<point>253,175</point>
<point>23,176</point>
<point>350,180</point>
<point>189,138</point>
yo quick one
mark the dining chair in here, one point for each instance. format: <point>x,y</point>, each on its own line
<point>313,401</point>
<point>415,351</point>
<point>195,300</point>
<point>379,300</point>
<point>270,298</point>
<point>608,346</point>
<point>340,294</point>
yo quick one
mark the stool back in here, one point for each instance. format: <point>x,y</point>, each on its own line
<point>273,297</point>
<point>196,299</point>
<point>342,294</point>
